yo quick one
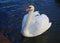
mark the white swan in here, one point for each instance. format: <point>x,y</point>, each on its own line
<point>34,24</point>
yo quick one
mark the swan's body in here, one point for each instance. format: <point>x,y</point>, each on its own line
<point>35,24</point>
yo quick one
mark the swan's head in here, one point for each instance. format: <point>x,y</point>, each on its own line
<point>30,8</point>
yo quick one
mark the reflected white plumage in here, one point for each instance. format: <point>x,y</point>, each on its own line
<point>34,24</point>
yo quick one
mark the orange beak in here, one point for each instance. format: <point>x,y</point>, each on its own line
<point>28,9</point>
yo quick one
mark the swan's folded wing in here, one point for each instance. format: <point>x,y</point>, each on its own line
<point>41,25</point>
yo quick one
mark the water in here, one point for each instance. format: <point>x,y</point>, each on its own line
<point>11,15</point>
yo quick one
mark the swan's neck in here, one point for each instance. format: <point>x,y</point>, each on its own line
<point>30,15</point>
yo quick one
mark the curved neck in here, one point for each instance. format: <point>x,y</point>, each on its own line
<point>28,21</point>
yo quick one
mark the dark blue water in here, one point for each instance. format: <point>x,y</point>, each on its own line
<point>11,15</point>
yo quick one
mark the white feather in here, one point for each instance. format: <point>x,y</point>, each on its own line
<point>38,25</point>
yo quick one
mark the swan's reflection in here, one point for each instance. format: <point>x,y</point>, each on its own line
<point>39,39</point>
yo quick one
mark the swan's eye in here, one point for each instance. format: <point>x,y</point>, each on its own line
<point>29,7</point>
